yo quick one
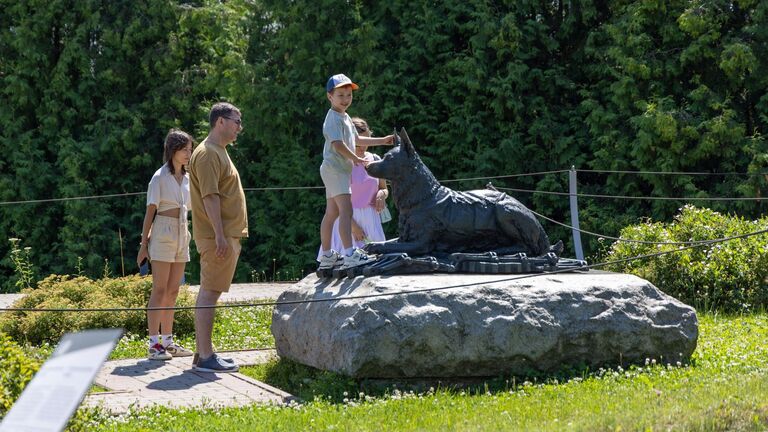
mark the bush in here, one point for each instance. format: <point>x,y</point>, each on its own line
<point>82,293</point>
<point>728,276</point>
<point>16,370</point>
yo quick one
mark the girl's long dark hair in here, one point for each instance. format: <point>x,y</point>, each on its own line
<point>176,140</point>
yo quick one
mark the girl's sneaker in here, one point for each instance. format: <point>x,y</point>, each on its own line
<point>177,350</point>
<point>158,352</point>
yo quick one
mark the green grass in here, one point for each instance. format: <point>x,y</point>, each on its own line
<point>234,329</point>
<point>724,388</point>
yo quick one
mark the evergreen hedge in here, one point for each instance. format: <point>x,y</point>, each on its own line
<point>485,88</point>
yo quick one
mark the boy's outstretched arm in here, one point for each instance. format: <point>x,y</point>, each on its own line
<point>368,141</point>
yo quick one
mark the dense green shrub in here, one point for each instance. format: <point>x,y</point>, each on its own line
<point>16,370</point>
<point>724,276</point>
<point>80,292</point>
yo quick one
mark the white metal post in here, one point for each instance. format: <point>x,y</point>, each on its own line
<point>575,213</point>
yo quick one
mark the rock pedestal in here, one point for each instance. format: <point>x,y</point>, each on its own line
<point>481,325</point>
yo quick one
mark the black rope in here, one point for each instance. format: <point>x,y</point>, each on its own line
<point>274,188</point>
<point>285,188</point>
<point>396,293</point>
<point>763,231</point>
<point>505,176</point>
<point>72,198</point>
<point>583,195</point>
<point>670,173</point>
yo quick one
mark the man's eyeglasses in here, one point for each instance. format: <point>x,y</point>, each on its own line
<point>238,121</point>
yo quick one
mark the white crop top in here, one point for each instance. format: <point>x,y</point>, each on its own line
<point>166,193</point>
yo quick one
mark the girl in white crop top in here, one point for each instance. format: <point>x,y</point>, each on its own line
<point>165,242</point>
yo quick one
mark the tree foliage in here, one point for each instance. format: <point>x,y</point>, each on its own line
<point>485,88</point>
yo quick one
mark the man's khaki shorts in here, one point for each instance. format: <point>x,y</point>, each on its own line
<point>216,273</point>
<point>336,183</point>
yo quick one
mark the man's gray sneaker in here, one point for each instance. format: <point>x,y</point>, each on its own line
<point>196,358</point>
<point>215,364</point>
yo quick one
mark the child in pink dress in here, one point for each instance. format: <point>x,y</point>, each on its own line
<point>369,196</point>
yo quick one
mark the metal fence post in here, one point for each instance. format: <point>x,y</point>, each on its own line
<point>574,213</point>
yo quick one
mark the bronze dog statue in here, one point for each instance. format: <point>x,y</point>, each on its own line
<point>434,218</point>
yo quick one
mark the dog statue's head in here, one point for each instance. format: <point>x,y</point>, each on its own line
<point>397,163</point>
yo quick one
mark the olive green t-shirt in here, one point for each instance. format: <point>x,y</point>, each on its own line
<point>211,171</point>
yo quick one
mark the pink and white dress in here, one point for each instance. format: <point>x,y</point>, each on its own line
<point>364,188</point>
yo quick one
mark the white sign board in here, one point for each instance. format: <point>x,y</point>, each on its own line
<point>58,388</point>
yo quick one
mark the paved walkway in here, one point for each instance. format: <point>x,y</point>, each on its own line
<point>6,300</point>
<point>140,383</point>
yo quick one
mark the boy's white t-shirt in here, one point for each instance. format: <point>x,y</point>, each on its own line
<point>338,127</point>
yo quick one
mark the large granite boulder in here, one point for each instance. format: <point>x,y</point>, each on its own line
<point>480,327</point>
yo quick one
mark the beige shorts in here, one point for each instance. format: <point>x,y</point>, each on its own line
<point>336,183</point>
<point>216,273</point>
<point>169,241</point>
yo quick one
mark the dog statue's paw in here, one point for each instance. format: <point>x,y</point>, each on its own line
<point>374,248</point>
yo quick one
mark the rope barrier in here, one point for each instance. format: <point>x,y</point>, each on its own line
<point>669,173</point>
<point>763,231</point>
<point>71,198</point>
<point>287,188</point>
<point>395,293</point>
<point>581,195</point>
<point>274,188</point>
<point>505,176</point>
<point>279,188</point>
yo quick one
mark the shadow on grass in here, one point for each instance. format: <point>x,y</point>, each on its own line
<point>309,383</point>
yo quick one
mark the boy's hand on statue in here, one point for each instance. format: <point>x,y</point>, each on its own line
<point>389,139</point>
<point>360,161</point>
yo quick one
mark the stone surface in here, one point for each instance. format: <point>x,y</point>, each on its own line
<point>484,325</point>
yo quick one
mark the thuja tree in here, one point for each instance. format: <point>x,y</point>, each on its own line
<point>676,86</point>
<point>484,88</point>
<point>89,90</point>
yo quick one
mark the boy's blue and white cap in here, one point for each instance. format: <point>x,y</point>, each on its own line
<point>339,80</point>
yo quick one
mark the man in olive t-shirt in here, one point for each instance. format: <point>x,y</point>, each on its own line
<point>219,221</point>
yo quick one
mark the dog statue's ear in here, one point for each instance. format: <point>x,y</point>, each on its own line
<point>397,141</point>
<point>407,142</point>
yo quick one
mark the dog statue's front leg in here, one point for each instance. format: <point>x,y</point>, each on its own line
<point>395,246</point>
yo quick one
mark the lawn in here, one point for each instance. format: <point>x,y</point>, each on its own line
<point>724,388</point>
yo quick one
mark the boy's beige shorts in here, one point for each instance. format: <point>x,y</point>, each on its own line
<point>216,273</point>
<point>336,183</point>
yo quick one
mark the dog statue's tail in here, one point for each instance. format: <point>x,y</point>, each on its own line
<point>557,248</point>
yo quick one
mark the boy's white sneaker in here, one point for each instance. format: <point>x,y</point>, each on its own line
<point>358,258</point>
<point>328,262</point>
